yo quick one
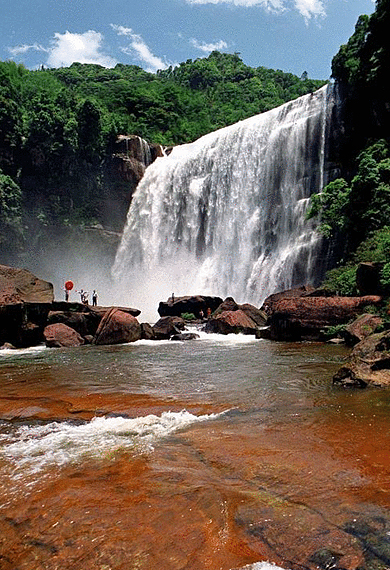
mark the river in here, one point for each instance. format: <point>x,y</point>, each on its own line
<point>218,453</point>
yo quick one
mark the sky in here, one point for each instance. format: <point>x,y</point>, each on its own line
<point>291,35</point>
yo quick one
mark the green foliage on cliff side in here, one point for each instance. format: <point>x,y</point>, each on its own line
<point>355,209</point>
<point>357,213</point>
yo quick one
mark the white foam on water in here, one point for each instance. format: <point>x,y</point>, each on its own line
<point>33,448</point>
<point>261,566</point>
<point>231,339</point>
<point>7,352</point>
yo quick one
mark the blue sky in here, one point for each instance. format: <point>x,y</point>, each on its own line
<point>291,35</point>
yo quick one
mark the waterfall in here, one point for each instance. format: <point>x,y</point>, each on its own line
<point>225,215</point>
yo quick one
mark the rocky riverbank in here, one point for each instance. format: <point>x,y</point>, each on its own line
<point>29,316</point>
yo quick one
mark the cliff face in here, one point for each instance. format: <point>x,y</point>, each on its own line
<point>78,211</point>
<point>124,169</point>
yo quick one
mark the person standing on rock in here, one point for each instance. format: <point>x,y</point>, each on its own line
<point>94,298</point>
<point>83,296</point>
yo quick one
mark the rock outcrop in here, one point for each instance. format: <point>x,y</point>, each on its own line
<point>304,317</point>
<point>21,286</point>
<point>369,363</point>
<point>25,302</point>
<point>198,305</point>
<point>29,316</point>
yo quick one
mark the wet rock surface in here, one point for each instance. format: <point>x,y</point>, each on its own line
<point>368,364</point>
<point>304,317</point>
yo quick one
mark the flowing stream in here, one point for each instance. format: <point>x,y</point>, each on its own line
<point>213,454</point>
<point>225,215</point>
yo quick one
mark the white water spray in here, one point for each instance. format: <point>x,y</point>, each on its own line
<point>225,215</point>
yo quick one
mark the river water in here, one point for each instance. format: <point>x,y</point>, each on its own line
<point>218,453</point>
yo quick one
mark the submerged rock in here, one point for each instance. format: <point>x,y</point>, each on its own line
<point>185,336</point>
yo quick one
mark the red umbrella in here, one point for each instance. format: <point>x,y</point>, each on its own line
<point>68,285</point>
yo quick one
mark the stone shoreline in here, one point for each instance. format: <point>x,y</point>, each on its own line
<point>30,316</point>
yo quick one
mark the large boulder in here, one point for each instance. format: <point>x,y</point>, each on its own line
<point>369,363</point>
<point>166,327</point>
<point>117,327</point>
<point>85,323</point>
<point>361,328</point>
<point>257,315</point>
<point>271,301</point>
<point>25,302</point>
<point>60,335</point>
<point>196,304</point>
<point>228,322</point>
<point>21,286</point>
<point>304,317</point>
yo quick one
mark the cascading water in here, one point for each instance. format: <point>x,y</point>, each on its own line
<point>225,215</point>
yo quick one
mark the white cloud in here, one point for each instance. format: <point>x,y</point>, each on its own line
<point>208,48</point>
<point>17,50</point>
<point>310,8</point>
<point>84,48</point>
<point>269,5</point>
<point>307,8</point>
<point>140,48</point>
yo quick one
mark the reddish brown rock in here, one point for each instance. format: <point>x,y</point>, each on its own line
<point>253,313</point>
<point>117,327</point>
<point>361,328</point>
<point>21,286</point>
<point>272,300</point>
<point>257,315</point>
<point>229,322</point>
<point>303,318</point>
<point>60,335</point>
<point>85,323</point>
<point>167,326</point>
<point>369,363</point>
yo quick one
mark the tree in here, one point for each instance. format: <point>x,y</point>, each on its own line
<point>11,229</point>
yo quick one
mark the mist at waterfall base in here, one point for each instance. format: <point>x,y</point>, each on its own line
<point>225,215</point>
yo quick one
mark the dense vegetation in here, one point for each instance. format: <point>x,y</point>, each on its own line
<point>355,208</point>
<point>58,127</point>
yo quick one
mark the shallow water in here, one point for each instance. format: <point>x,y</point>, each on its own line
<point>211,454</point>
